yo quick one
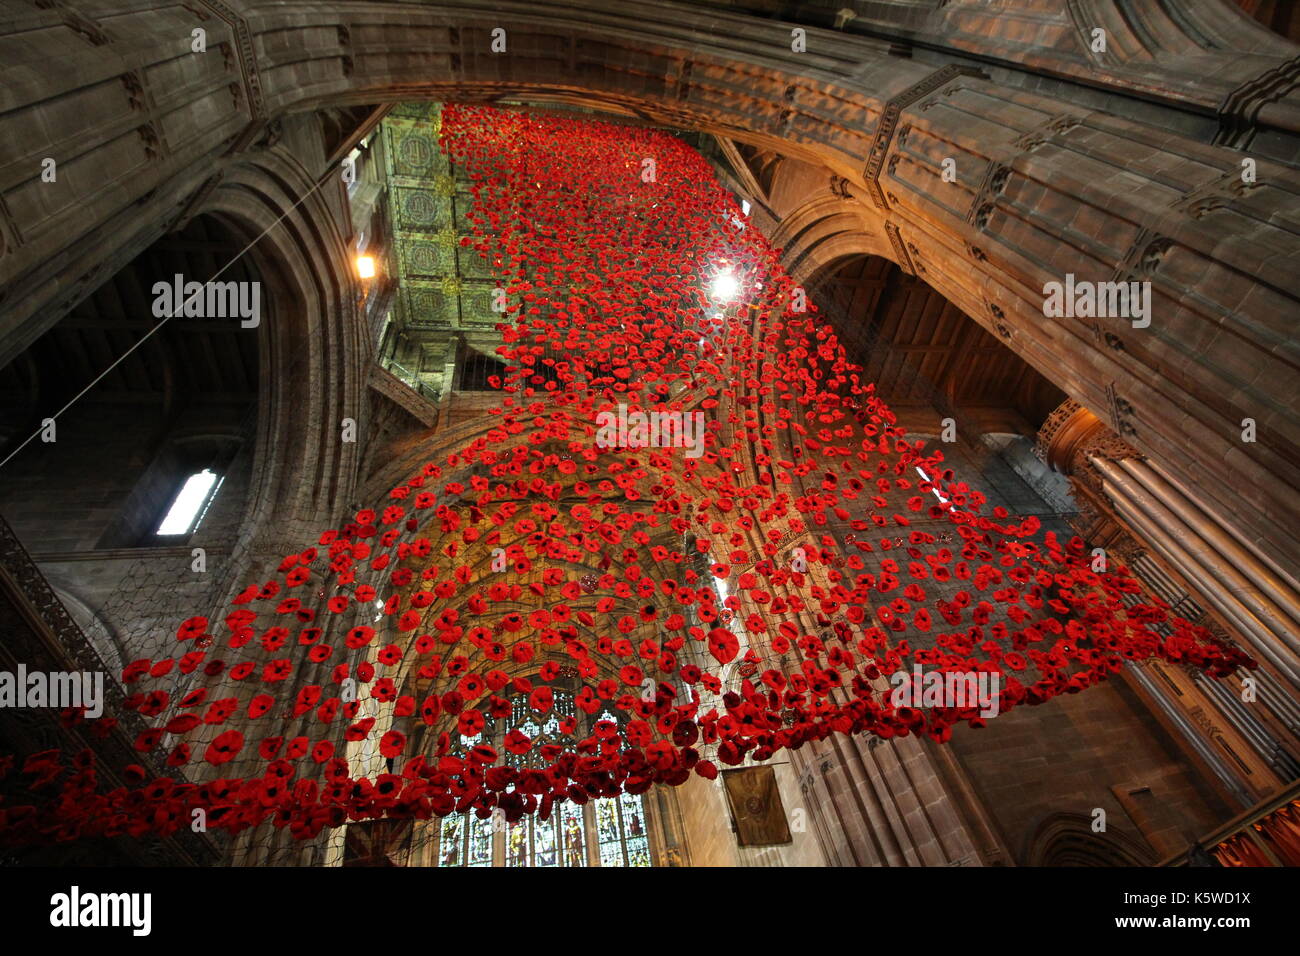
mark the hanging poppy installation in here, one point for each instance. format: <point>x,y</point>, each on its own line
<point>687,504</point>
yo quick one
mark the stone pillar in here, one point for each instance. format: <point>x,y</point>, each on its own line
<point>1256,598</point>
<point>885,799</point>
<point>1187,554</point>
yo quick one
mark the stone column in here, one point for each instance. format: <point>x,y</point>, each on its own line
<point>1243,741</point>
<point>1256,598</point>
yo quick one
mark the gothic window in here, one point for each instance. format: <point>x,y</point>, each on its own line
<point>560,840</point>
<point>620,827</point>
<point>614,830</point>
<point>465,840</point>
<point>573,836</point>
<point>451,839</point>
<point>479,841</point>
<point>620,824</point>
<point>541,730</point>
<point>190,504</point>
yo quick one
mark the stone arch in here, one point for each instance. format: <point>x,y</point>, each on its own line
<point>1042,198</point>
<point>137,399</point>
<point>823,233</point>
<point>877,307</point>
<point>314,354</point>
<point>1067,839</point>
<point>296,475</point>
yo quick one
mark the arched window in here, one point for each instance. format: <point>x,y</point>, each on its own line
<point>465,840</point>
<point>607,832</point>
<point>525,720</point>
<point>191,503</point>
<point>620,824</point>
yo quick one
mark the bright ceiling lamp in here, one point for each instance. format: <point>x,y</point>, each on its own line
<point>366,267</point>
<point>725,286</point>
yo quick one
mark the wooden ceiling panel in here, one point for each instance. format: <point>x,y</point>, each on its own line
<point>206,359</point>
<point>919,348</point>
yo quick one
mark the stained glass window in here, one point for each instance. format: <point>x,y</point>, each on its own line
<point>609,833</point>
<point>559,840</point>
<point>451,840</point>
<point>480,842</point>
<point>621,829</point>
<point>518,840</point>
<point>463,838</point>
<point>545,851</point>
<point>573,835</point>
<point>541,729</point>
<point>615,828</point>
<point>636,842</point>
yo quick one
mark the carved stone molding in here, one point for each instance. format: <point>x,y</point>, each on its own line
<point>345,42</point>
<point>1042,135</point>
<point>1121,412</point>
<point>914,254</point>
<point>86,28</point>
<point>1217,193</point>
<point>247,54</point>
<point>39,631</point>
<point>133,83</point>
<point>900,248</point>
<point>1000,320</point>
<point>991,185</point>
<point>782,124</point>
<point>10,237</point>
<point>682,81</point>
<point>889,116</point>
<point>1240,108</point>
<point>1143,256</point>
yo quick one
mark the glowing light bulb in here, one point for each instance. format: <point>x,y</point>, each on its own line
<point>724,286</point>
<point>366,267</point>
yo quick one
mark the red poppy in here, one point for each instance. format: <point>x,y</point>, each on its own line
<point>723,645</point>
<point>392,744</point>
<point>224,747</point>
<point>592,326</point>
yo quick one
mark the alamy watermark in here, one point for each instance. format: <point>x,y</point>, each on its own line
<point>209,300</point>
<point>956,689</point>
<point>77,909</point>
<point>58,689</point>
<point>624,429</point>
<point>1084,299</point>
